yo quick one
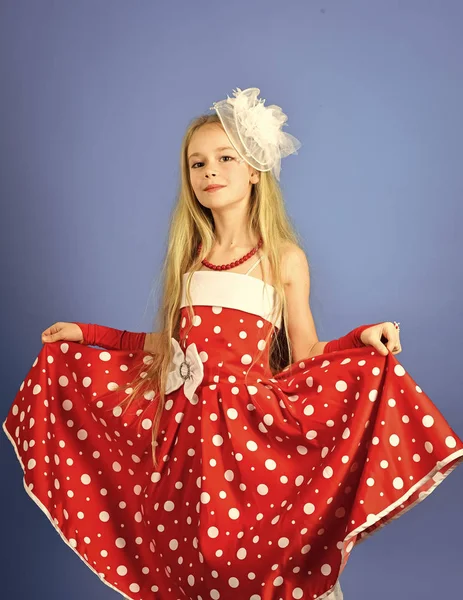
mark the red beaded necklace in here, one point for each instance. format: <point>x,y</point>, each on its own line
<point>235,263</point>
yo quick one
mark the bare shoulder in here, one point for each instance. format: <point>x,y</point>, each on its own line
<point>294,264</point>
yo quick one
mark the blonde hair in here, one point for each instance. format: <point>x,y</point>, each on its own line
<point>192,223</point>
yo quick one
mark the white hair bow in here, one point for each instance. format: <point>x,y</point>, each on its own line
<point>188,370</point>
<point>255,130</point>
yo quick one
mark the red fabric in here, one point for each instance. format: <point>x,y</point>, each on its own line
<point>264,485</point>
<point>351,340</point>
<point>110,338</point>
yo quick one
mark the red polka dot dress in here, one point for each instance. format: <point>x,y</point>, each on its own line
<point>264,485</point>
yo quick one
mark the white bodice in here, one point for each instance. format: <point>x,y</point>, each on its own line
<point>232,290</point>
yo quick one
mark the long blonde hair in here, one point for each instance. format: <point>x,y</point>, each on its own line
<point>192,223</point>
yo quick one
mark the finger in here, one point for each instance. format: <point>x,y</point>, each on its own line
<point>392,334</point>
<point>395,345</point>
<point>382,349</point>
<point>54,334</point>
<point>391,346</point>
<point>52,329</point>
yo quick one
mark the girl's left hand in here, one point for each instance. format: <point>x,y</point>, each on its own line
<point>383,332</point>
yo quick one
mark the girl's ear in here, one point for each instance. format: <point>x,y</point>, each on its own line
<point>254,177</point>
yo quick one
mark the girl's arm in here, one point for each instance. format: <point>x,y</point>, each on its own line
<point>117,339</point>
<point>301,326</point>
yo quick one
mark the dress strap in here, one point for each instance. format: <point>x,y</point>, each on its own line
<point>254,265</point>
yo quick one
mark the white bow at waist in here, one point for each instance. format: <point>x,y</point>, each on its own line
<point>187,370</point>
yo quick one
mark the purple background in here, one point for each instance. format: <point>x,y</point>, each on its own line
<point>95,97</point>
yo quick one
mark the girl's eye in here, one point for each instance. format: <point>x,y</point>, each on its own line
<point>198,163</point>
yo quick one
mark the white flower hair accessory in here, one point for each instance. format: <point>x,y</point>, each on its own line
<point>255,130</point>
<point>187,370</point>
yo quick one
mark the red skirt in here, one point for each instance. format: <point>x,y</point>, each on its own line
<point>344,443</point>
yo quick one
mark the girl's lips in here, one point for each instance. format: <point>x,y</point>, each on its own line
<point>215,188</point>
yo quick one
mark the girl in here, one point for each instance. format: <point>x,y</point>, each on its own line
<point>230,450</point>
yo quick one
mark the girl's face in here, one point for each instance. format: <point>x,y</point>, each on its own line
<point>213,160</point>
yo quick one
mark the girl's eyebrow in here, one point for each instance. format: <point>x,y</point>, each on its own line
<point>217,150</point>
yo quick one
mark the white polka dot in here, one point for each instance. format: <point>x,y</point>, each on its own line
<point>399,370</point>
<point>205,497</point>
<point>86,382</point>
<point>327,472</point>
<point>326,569</point>
<point>394,440</point>
<point>372,395</point>
<point>309,508</point>
<point>398,483</point>
<point>173,544</point>
<point>232,413</point>
<point>340,385</point>
<point>268,419</point>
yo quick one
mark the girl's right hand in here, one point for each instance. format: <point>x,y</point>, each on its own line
<point>68,332</point>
